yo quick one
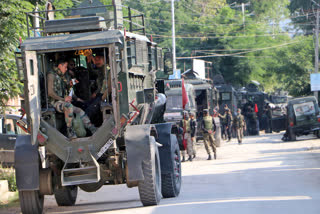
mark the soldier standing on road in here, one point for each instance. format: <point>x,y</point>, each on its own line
<point>60,99</point>
<point>208,129</point>
<point>193,124</point>
<point>223,126</point>
<point>228,123</point>
<point>240,125</point>
<point>185,123</point>
<point>217,134</point>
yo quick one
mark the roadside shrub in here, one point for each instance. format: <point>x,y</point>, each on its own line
<point>9,175</point>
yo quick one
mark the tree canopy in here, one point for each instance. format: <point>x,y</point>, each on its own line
<point>268,41</point>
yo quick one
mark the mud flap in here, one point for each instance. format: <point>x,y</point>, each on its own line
<point>167,148</point>
<point>26,161</point>
<point>138,149</point>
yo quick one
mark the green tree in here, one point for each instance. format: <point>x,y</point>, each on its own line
<point>12,26</point>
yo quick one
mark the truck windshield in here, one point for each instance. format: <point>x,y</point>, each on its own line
<point>304,108</point>
<point>174,102</point>
<point>225,96</point>
<point>278,100</point>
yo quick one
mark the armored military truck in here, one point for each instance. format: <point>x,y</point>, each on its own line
<point>206,98</point>
<point>174,106</point>
<point>130,146</point>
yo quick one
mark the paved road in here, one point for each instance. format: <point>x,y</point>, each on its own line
<point>264,175</point>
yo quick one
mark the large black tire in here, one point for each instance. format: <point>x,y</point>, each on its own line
<point>93,187</point>
<point>150,187</point>
<point>66,196</point>
<point>171,183</point>
<point>31,202</point>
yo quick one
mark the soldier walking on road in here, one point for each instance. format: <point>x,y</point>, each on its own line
<point>223,120</point>
<point>240,125</point>
<point>186,124</point>
<point>208,129</point>
<point>228,123</point>
<point>217,135</point>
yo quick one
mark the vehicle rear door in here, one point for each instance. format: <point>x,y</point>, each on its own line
<point>305,113</point>
<point>32,93</point>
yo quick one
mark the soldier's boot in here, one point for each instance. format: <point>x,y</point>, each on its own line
<point>215,155</point>
<point>209,157</point>
<point>183,159</point>
<point>190,158</point>
<point>71,133</point>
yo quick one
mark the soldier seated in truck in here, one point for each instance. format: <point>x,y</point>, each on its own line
<point>60,99</point>
<point>103,87</point>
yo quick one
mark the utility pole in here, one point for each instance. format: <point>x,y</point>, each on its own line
<point>316,66</point>
<point>173,39</point>
<point>243,14</point>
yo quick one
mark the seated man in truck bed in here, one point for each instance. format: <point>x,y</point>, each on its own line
<point>103,87</point>
<point>60,99</point>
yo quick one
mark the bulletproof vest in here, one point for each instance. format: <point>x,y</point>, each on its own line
<point>239,121</point>
<point>60,84</point>
<point>186,123</point>
<point>208,122</point>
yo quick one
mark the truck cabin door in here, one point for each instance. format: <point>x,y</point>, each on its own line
<point>32,93</point>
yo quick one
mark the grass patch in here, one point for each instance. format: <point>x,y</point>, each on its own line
<point>12,202</point>
<point>9,175</point>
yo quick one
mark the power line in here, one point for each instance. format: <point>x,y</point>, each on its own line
<point>216,37</point>
<point>237,54</point>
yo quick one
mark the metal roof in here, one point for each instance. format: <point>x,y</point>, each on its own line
<point>72,41</point>
<point>78,40</point>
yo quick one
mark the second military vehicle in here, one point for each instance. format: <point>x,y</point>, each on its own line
<point>174,105</point>
<point>303,117</point>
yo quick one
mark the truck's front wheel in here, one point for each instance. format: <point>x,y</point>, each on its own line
<point>150,187</point>
<point>31,202</point>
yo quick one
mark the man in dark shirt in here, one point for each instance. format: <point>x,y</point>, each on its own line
<point>193,125</point>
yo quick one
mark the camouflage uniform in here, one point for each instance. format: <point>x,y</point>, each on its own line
<point>208,125</point>
<point>56,99</point>
<point>185,123</point>
<point>239,124</point>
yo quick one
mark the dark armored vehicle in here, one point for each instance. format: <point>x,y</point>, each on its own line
<point>303,117</point>
<point>130,146</point>
<point>228,96</point>
<point>279,112</point>
<point>206,98</point>
<point>174,106</point>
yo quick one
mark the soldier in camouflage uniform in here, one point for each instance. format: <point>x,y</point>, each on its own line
<point>59,98</point>
<point>186,125</point>
<point>208,129</point>
<point>239,125</point>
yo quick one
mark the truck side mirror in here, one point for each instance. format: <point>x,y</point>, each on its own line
<point>168,65</point>
<point>19,64</point>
